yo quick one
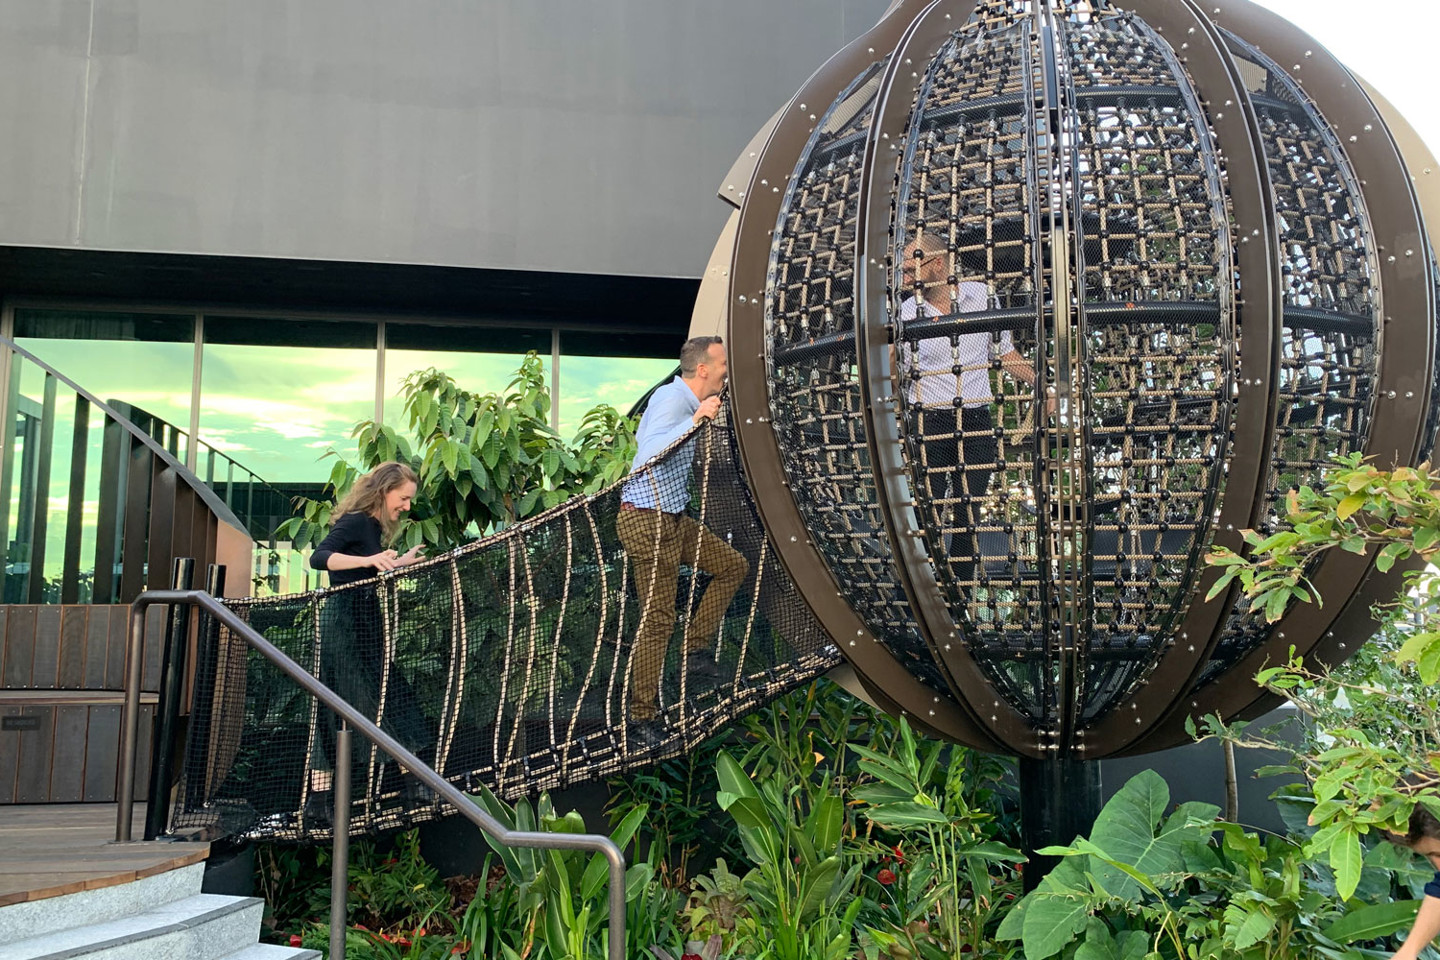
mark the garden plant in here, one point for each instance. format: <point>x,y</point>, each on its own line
<point>820,828</point>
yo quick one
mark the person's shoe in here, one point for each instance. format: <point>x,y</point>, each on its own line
<point>319,811</point>
<point>645,736</point>
<point>701,668</point>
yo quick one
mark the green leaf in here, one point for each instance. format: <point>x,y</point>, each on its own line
<point>1126,829</point>
<point>1051,922</point>
<point>1349,505</point>
<point>1373,921</point>
<point>897,816</point>
<point>1346,860</point>
<point>1255,928</point>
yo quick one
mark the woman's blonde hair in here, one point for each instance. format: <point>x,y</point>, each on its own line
<point>368,494</point>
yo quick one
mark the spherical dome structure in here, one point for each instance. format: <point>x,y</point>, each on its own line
<point>1034,303</point>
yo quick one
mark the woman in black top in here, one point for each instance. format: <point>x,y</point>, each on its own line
<point>352,635</point>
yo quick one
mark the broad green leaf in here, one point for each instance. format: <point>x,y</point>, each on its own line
<point>1126,830</point>
<point>1099,942</point>
<point>1255,927</point>
<point>900,815</point>
<point>1347,507</point>
<point>1051,921</point>
<point>1346,860</point>
<point>1373,921</point>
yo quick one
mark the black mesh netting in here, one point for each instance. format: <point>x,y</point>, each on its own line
<point>593,639</point>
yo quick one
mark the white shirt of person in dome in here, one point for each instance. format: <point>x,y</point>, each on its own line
<point>935,358</point>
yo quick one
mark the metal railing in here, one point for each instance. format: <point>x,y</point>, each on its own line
<point>350,717</point>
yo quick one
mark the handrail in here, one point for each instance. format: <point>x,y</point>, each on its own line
<point>130,731</point>
<point>201,488</point>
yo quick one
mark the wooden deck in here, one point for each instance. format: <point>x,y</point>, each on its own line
<point>53,849</point>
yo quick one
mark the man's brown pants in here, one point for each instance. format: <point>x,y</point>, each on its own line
<point>657,544</point>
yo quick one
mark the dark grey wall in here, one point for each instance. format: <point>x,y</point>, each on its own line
<point>579,135</point>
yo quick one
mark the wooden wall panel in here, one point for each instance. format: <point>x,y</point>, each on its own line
<point>47,647</point>
<point>102,752</point>
<point>9,753</point>
<point>61,678</point>
<point>67,771</point>
<point>32,778</point>
<point>70,673</point>
<point>97,646</point>
<point>19,647</point>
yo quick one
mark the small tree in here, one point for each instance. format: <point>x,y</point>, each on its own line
<point>484,461</point>
<point>1374,750</point>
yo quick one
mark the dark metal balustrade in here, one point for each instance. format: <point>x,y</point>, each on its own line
<point>107,496</point>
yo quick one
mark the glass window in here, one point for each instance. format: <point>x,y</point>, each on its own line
<point>139,363</point>
<point>479,359</point>
<point>277,393</point>
<point>586,382</point>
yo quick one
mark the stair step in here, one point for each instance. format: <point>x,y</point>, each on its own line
<point>20,921</point>
<point>270,951</point>
<point>199,927</point>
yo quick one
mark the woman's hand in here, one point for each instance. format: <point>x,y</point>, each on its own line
<point>414,555</point>
<point>384,560</point>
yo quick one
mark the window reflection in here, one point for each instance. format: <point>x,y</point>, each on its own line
<point>275,394</point>
<point>480,360</point>
<point>139,363</point>
<point>617,369</point>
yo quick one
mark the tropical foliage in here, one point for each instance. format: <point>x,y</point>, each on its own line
<point>485,460</point>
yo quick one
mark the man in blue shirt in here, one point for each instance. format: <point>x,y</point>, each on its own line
<point>1424,839</point>
<point>659,536</point>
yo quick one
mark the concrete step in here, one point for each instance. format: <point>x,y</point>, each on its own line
<point>269,951</point>
<point>198,927</point>
<point>20,921</point>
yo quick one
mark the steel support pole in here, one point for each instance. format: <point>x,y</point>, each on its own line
<point>167,710</point>
<point>1059,800</point>
<point>340,858</point>
<point>207,665</point>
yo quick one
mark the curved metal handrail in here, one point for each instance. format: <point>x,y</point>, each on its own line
<point>217,506</point>
<point>130,731</point>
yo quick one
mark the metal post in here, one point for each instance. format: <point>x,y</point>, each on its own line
<point>130,725</point>
<point>202,706</point>
<point>340,859</point>
<point>1059,800</point>
<point>167,710</point>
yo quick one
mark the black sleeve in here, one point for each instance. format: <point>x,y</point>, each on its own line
<point>347,536</point>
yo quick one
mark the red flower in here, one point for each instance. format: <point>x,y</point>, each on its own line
<point>419,931</point>
<point>460,947</point>
<point>295,940</point>
<point>691,956</point>
<point>886,877</point>
<point>899,854</point>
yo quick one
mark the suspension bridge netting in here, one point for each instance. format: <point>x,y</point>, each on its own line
<point>520,661</point>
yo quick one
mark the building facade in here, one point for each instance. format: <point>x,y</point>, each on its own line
<point>246,224</point>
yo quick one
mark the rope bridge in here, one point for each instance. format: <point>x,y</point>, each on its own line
<point>517,662</point>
